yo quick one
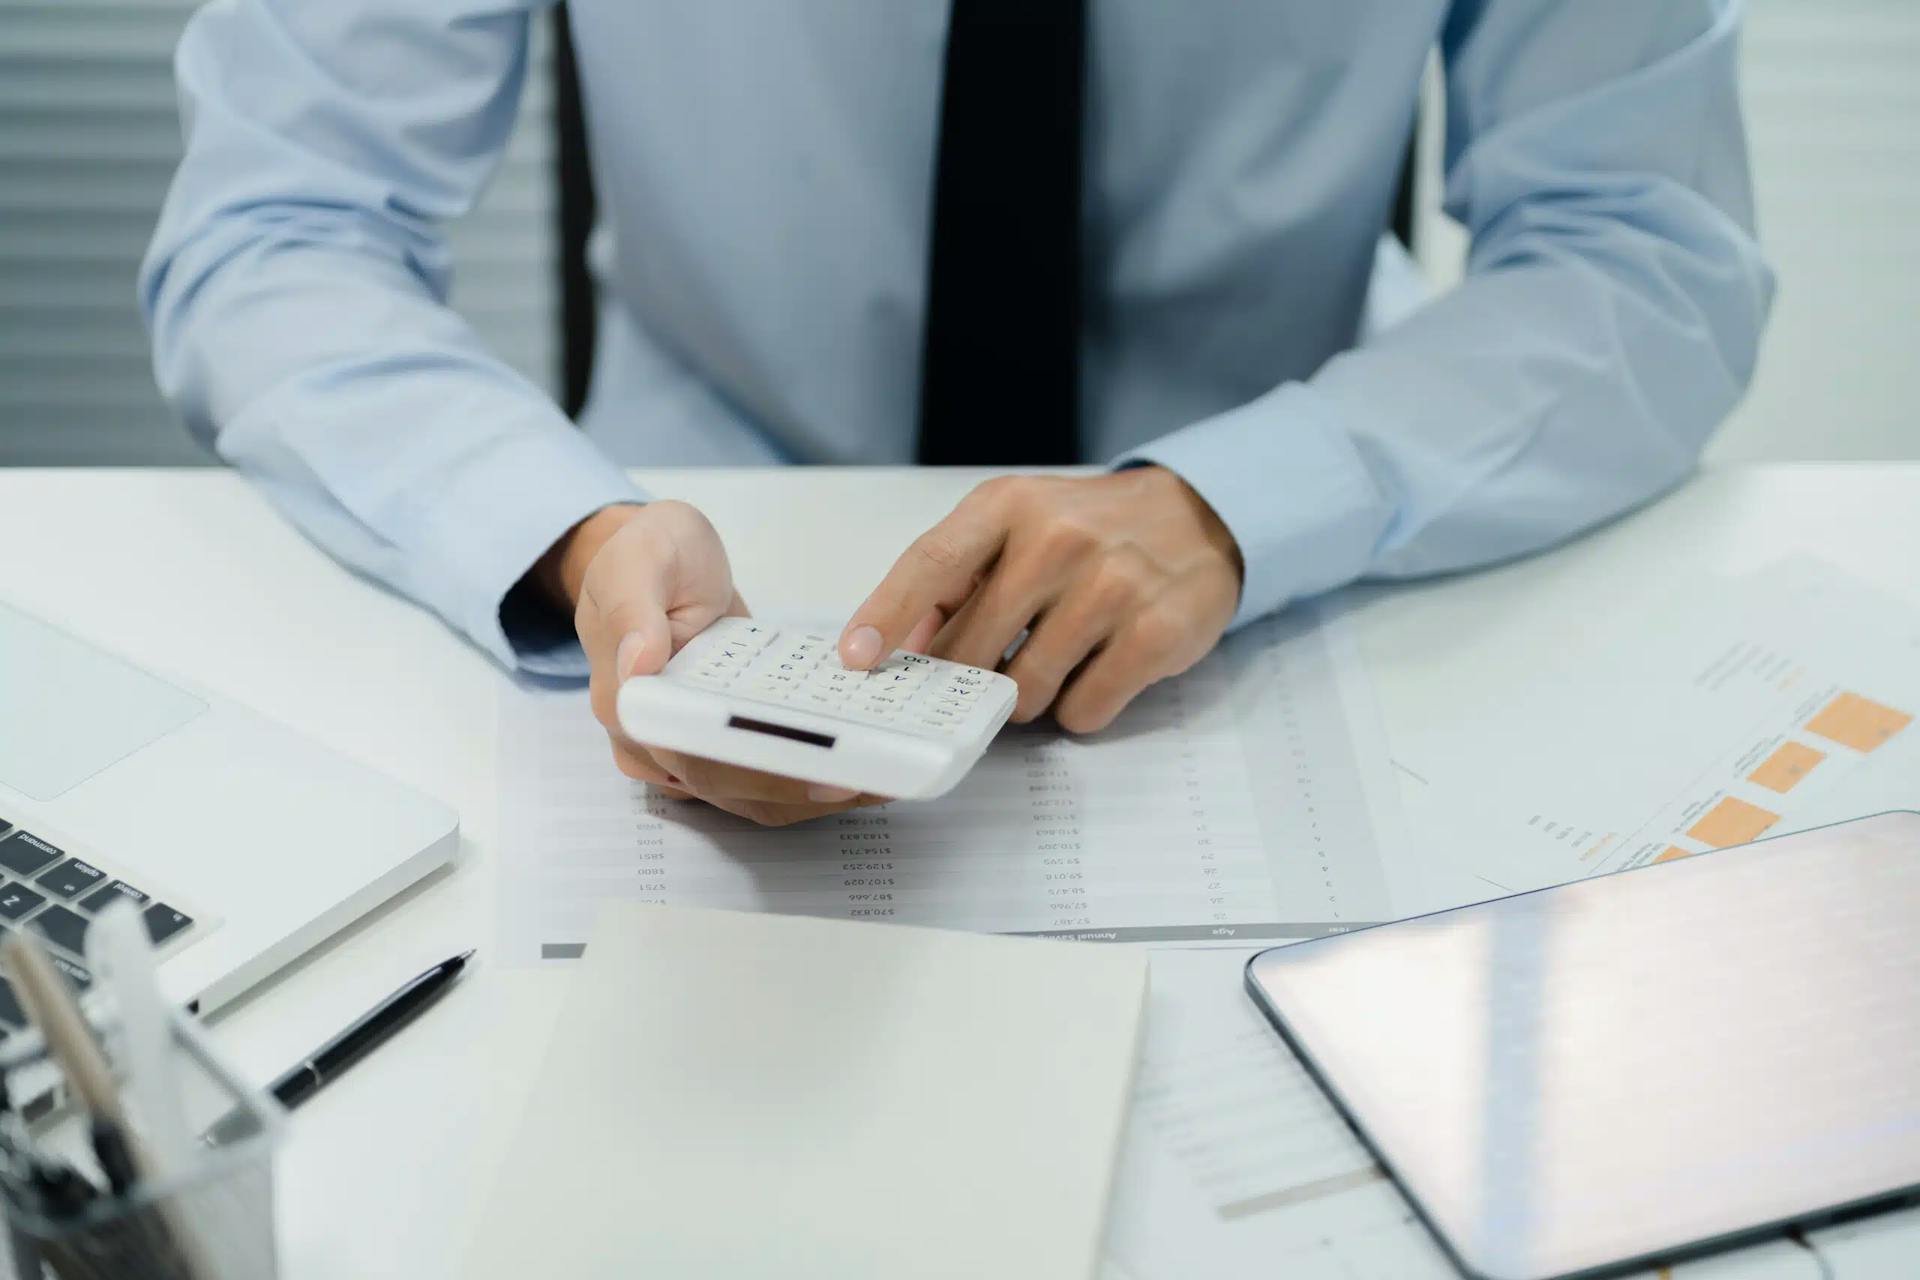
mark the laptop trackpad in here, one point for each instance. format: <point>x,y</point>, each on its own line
<point>67,710</point>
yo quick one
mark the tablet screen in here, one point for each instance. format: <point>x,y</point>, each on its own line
<point>1624,1068</point>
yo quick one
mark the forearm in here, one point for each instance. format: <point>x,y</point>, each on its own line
<point>375,420</point>
<point>296,290</point>
<point>1609,320</point>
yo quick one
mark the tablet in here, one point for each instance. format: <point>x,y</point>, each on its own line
<point>1627,1070</point>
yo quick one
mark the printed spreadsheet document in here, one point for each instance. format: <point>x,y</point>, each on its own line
<point>1249,800</point>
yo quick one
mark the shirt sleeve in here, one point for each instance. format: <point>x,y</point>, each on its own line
<point>296,290</point>
<point>1609,320</point>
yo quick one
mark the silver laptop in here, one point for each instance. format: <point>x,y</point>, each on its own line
<point>242,843</point>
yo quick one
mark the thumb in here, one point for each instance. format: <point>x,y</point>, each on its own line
<point>628,589</point>
<point>625,638</point>
<point>646,642</point>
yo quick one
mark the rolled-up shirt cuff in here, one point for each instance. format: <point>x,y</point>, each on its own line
<point>501,513</point>
<point>1292,489</point>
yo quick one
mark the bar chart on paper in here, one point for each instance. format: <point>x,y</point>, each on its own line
<point>1246,800</point>
<point>1761,705</point>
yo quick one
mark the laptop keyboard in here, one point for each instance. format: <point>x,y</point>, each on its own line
<point>47,890</point>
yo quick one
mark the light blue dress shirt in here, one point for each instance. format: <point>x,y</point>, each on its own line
<point>763,171</point>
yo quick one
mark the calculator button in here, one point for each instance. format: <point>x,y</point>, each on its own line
<point>749,634</point>
<point>835,678</point>
<point>955,705</point>
<point>877,708</point>
<point>914,659</point>
<point>734,653</point>
<point>815,700</point>
<point>958,692</point>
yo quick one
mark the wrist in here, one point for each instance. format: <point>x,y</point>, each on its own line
<point>561,570</point>
<point>1214,529</point>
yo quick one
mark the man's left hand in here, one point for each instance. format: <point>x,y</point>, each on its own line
<point>1117,580</point>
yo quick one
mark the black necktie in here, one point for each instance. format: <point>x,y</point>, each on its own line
<point>1000,380</point>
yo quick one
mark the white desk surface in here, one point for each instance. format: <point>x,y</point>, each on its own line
<point>192,571</point>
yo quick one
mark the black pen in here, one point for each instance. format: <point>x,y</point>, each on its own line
<point>296,1085</point>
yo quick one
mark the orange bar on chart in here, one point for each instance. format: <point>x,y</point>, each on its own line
<point>1857,722</point>
<point>1732,821</point>
<point>1674,851</point>
<point>1786,766</point>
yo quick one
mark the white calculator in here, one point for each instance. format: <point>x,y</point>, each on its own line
<point>759,696</point>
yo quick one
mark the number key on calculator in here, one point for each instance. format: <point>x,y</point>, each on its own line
<point>779,700</point>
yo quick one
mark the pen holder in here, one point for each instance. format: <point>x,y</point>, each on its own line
<point>209,1217</point>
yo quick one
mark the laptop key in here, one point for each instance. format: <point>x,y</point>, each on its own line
<point>5,826</point>
<point>163,922</point>
<point>64,928</point>
<point>71,878</point>
<point>26,853</point>
<point>101,899</point>
<point>17,900</point>
<point>77,973</point>
<point>10,1011</point>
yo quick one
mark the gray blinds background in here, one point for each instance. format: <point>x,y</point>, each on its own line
<point>1832,94</point>
<point>89,135</point>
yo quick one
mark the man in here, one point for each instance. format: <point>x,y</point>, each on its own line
<point>995,231</point>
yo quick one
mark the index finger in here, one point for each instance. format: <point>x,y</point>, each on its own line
<point>938,569</point>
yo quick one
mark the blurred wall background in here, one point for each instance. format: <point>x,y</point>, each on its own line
<point>89,135</point>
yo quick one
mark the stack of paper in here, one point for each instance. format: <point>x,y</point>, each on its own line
<point>741,1095</point>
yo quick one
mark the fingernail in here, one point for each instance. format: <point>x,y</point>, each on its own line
<point>628,654</point>
<point>821,793</point>
<point>861,648</point>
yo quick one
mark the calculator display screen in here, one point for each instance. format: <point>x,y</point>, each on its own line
<point>780,731</point>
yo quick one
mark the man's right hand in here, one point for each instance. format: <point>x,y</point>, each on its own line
<point>642,581</point>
